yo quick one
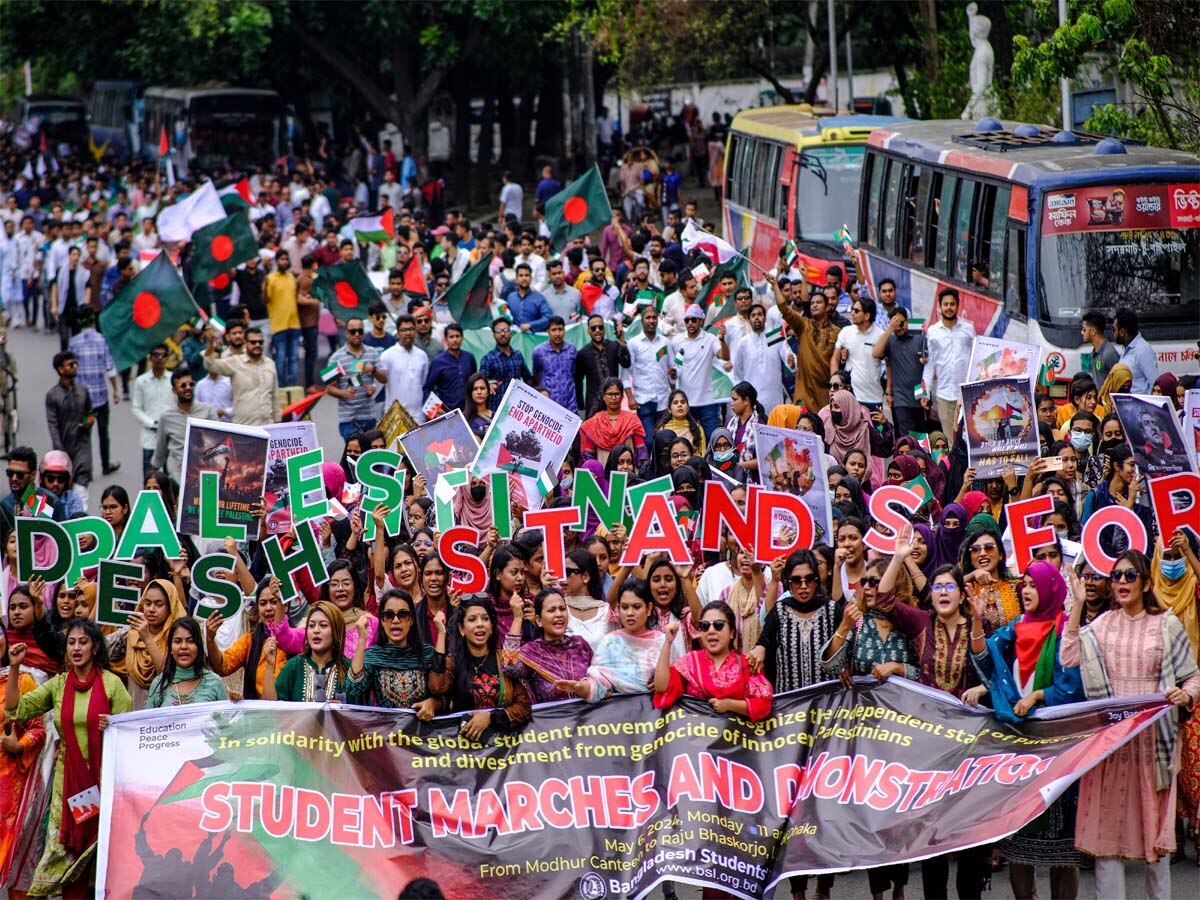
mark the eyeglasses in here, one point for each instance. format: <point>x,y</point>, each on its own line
<point>570,571</point>
<point>1129,576</point>
<point>1092,576</point>
<point>400,615</point>
<point>158,354</point>
<point>870,582</point>
<point>184,385</point>
<point>709,625</point>
<point>354,331</point>
<point>983,548</point>
<point>803,579</point>
<point>942,588</point>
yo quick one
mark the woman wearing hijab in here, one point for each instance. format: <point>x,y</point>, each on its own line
<point>1164,386</point>
<point>659,462</point>
<point>146,646</point>
<point>612,427</point>
<point>785,415</point>
<point>472,505</point>
<point>952,527</point>
<point>722,455</point>
<point>846,426</point>
<point>850,491</point>
<point>1118,381</point>
<point>1023,668</point>
<point>910,468</point>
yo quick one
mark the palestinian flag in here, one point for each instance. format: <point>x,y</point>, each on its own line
<point>414,278</point>
<point>774,337</point>
<point>35,504</point>
<point>509,463</point>
<point>922,440</point>
<point>146,312</point>
<point>920,392</point>
<point>679,357</point>
<point>468,297</point>
<point>590,293</point>
<point>236,196</point>
<point>437,453</point>
<point>433,407</point>
<point>301,409</point>
<point>578,209</point>
<point>374,229</point>
<point>221,246</point>
<point>346,290</point>
<point>921,486</point>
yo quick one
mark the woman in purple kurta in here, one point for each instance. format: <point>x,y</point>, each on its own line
<point>553,659</point>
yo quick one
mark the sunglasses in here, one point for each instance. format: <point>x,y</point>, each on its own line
<point>570,571</point>
<point>17,473</point>
<point>870,582</point>
<point>354,331</point>
<point>709,625</point>
<point>1129,576</point>
<point>983,548</point>
<point>401,615</point>
<point>254,343</point>
<point>55,476</point>
<point>803,579</point>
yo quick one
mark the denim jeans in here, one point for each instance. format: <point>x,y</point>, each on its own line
<point>285,347</point>
<point>354,426</point>
<point>709,418</point>
<point>311,337</point>
<point>648,413</point>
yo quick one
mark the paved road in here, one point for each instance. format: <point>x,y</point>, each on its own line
<point>33,352</point>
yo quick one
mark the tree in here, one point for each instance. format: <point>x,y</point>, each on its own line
<point>523,445</point>
<point>1154,48</point>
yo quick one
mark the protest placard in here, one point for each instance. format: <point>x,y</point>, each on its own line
<point>793,462</point>
<point>238,454</point>
<point>438,446</point>
<point>1000,426</point>
<point>1153,434</point>
<point>287,439</point>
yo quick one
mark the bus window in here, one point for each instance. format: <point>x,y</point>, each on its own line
<point>745,165</point>
<point>922,211</point>
<point>944,223</point>
<point>731,183</point>
<point>998,222</point>
<point>908,212</point>
<point>1014,274</point>
<point>891,204</point>
<point>875,171</point>
<point>960,246</point>
<point>782,203</point>
<point>770,185</point>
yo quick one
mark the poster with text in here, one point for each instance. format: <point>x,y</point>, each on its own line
<point>1001,428</point>
<point>1153,434</point>
<point>438,446</point>
<point>286,439</point>
<point>238,453</point>
<point>995,358</point>
<point>529,438</point>
<point>598,801</point>
<point>794,462</point>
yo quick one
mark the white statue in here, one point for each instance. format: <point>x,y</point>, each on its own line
<point>982,63</point>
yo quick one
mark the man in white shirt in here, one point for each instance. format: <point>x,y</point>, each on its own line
<point>651,370</point>
<point>512,198</point>
<point>757,362</point>
<point>405,367</point>
<point>537,264</point>
<point>675,306</point>
<point>319,208</point>
<point>148,239</point>
<point>152,395</point>
<point>738,326</point>
<point>853,352</point>
<point>948,344</point>
<point>391,190</point>
<point>699,350</point>
<point>456,259</point>
<point>564,300</point>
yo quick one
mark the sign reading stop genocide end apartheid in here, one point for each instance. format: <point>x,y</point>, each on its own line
<point>588,801</point>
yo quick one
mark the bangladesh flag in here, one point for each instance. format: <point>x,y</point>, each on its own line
<point>922,488</point>
<point>236,196</point>
<point>147,312</point>
<point>345,289</point>
<point>374,229</point>
<point>221,246</point>
<point>578,209</point>
<point>469,297</point>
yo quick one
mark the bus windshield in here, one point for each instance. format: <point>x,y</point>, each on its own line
<point>1107,247</point>
<point>236,128</point>
<point>827,191</point>
<point>58,115</point>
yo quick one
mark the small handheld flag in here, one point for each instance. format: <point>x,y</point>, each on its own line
<point>661,354</point>
<point>34,503</point>
<point>433,407</point>
<point>332,371</point>
<point>774,337</point>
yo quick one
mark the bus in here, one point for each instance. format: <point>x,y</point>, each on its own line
<point>213,127</point>
<point>61,120</point>
<point>114,119</point>
<point>791,174</point>
<point>1035,226</point>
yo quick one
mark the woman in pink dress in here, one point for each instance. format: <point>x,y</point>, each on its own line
<point>1127,803</point>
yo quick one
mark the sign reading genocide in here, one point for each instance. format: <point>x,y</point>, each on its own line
<point>594,801</point>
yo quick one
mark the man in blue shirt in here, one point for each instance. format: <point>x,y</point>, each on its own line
<point>554,365</point>
<point>450,369</point>
<point>502,364</point>
<point>548,186</point>
<point>1138,355</point>
<point>529,309</point>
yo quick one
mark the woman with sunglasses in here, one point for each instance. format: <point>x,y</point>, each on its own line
<point>1127,802</point>
<point>185,677</point>
<point>716,672</point>
<point>612,427</point>
<point>400,670</point>
<point>583,590</point>
<point>552,665</point>
<point>488,698</point>
<point>1023,668</point>
<point>249,651</point>
<point>319,673</point>
<point>982,562</point>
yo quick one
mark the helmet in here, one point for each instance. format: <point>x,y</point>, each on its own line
<point>56,461</point>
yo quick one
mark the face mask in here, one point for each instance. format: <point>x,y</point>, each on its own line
<point>1173,569</point>
<point>835,417</point>
<point>566,482</point>
<point>723,455</point>
<point>478,491</point>
<point>1081,440</point>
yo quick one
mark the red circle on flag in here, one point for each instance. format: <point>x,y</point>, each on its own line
<point>220,282</point>
<point>146,310</point>
<point>575,209</point>
<point>221,247</point>
<point>346,295</point>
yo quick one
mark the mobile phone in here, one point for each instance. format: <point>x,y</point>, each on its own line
<point>1053,463</point>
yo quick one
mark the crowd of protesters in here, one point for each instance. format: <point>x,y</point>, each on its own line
<point>387,630</point>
